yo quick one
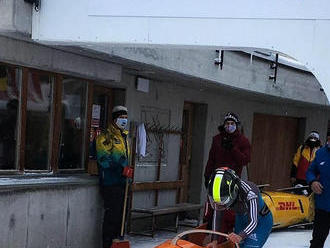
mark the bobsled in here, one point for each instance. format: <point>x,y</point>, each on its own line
<point>290,207</point>
<point>195,239</point>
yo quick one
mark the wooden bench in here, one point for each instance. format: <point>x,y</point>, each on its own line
<point>157,211</point>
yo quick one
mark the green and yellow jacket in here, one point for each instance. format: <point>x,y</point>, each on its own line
<point>112,156</point>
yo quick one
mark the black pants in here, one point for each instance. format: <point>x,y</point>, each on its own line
<point>113,197</point>
<point>321,228</point>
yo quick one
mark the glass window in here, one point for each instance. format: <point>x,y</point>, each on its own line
<point>72,143</point>
<point>9,104</point>
<point>39,98</point>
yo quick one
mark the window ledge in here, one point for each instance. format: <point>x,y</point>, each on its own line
<point>46,181</point>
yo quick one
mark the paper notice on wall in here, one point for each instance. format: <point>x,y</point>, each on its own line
<point>96,111</point>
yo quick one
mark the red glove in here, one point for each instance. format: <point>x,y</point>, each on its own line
<point>128,172</point>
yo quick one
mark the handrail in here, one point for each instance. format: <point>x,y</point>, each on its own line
<point>180,235</point>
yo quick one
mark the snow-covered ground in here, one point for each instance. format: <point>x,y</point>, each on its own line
<point>293,238</point>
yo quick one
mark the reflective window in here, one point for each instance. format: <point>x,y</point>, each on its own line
<point>39,98</point>
<point>72,142</point>
<point>9,104</point>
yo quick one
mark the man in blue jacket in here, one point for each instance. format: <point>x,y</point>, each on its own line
<point>318,177</point>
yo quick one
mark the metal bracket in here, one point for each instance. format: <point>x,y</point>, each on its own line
<point>219,60</point>
<point>274,66</point>
<point>36,3</point>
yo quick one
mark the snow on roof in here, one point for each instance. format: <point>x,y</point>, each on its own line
<point>282,58</point>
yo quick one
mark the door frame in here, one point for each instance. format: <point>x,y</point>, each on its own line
<point>184,166</point>
<point>92,88</point>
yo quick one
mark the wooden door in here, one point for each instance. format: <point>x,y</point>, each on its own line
<point>185,150</point>
<point>274,142</point>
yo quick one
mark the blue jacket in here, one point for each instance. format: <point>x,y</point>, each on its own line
<point>320,170</point>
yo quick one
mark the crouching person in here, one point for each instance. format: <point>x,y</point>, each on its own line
<point>254,220</point>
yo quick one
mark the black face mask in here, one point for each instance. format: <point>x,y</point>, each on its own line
<point>313,144</point>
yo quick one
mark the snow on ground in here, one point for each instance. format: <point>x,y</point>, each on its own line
<point>293,238</point>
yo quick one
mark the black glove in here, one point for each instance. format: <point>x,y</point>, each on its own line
<point>227,143</point>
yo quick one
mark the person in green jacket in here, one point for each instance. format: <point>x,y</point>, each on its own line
<point>113,152</point>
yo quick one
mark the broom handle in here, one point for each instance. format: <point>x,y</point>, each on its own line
<point>124,210</point>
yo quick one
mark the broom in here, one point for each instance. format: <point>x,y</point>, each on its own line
<point>122,243</point>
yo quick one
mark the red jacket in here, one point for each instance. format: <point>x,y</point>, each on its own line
<point>235,158</point>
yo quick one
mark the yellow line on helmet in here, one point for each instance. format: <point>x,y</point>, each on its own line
<point>216,188</point>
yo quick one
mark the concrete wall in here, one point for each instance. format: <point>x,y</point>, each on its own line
<point>16,16</point>
<point>165,100</point>
<point>28,53</point>
<point>239,71</point>
<point>57,215</point>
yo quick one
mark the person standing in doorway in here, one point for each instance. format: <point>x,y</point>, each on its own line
<point>318,177</point>
<point>113,163</point>
<point>303,157</point>
<point>230,149</point>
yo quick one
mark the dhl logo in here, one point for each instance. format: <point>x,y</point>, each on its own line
<point>286,206</point>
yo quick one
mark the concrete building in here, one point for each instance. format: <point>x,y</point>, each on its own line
<point>47,96</point>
